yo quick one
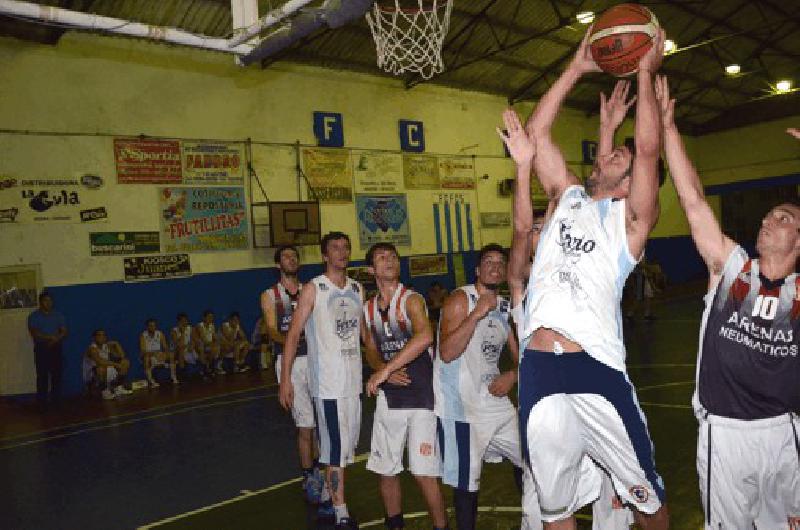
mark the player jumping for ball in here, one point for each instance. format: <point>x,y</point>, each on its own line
<point>575,396</point>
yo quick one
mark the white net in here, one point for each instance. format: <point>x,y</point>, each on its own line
<point>410,39</point>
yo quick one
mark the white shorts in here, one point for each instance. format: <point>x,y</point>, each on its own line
<point>338,427</point>
<point>393,430</point>
<point>190,357</point>
<point>607,512</point>
<point>749,472</point>
<point>572,406</point>
<point>465,446</point>
<point>302,408</point>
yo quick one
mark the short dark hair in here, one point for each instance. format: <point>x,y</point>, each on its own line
<point>182,315</point>
<point>207,312</point>
<point>331,236</point>
<point>280,249</point>
<point>379,246</point>
<point>151,319</point>
<point>98,330</point>
<point>234,314</point>
<point>45,294</point>
<point>491,247</point>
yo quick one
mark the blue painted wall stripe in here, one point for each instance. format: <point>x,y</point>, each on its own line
<point>742,185</point>
<point>468,215</point>
<point>458,226</point>
<point>437,229</point>
<point>448,230</point>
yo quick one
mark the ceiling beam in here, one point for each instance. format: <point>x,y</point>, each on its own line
<point>727,25</point>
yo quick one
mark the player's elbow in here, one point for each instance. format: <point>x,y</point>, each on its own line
<point>446,353</point>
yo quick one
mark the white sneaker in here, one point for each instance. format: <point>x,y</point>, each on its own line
<point>244,368</point>
<point>107,394</point>
<point>122,391</point>
<point>154,384</point>
<point>175,382</point>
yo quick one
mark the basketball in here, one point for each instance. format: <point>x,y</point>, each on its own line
<point>621,36</point>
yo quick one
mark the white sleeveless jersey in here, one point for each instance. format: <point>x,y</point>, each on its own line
<point>207,332</point>
<point>184,336</point>
<point>461,387</point>
<point>576,280</point>
<point>152,343</point>
<point>104,352</point>
<point>234,331</point>
<point>333,336</point>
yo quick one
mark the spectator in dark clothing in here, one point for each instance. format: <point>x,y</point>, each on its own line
<point>48,329</point>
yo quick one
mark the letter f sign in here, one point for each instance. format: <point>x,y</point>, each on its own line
<point>328,129</point>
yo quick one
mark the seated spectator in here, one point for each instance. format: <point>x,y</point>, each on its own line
<point>207,344</point>
<point>261,344</point>
<point>182,343</point>
<point>154,351</point>
<point>106,365</point>
<point>234,342</point>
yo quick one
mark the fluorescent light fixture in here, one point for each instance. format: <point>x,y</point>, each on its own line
<point>585,17</point>
<point>733,69</point>
<point>784,85</point>
<point>670,46</point>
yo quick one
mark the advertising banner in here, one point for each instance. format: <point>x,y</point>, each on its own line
<point>382,218</point>
<point>203,219</point>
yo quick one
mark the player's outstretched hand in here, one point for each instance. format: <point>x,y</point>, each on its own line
<point>794,132</point>
<point>521,146</point>
<point>287,395</point>
<point>613,109</point>
<point>583,62</point>
<point>665,104</point>
<point>502,384</point>
<point>651,60</point>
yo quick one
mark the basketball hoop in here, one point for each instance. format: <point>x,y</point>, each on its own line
<point>410,39</point>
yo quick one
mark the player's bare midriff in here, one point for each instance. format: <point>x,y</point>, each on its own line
<point>545,339</point>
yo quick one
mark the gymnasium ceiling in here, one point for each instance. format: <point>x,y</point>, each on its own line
<point>516,49</point>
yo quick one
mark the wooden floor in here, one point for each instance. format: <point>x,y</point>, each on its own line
<point>222,454</point>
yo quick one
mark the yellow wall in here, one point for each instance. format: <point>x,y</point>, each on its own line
<point>119,86</point>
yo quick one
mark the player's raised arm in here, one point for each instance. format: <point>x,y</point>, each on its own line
<point>613,110</point>
<point>523,150</point>
<point>794,132</point>
<point>713,245</point>
<point>550,166</point>
<point>305,305</point>
<point>642,203</point>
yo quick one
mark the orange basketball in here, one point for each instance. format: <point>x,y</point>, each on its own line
<point>621,36</point>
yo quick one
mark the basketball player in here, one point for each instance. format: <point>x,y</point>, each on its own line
<point>234,342</point>
<point>748,370</point>
<point>106,360</point>
<point>476,418</point>
<point>153,349</point>
<point>205,336</point>
<point>330,310</point>
<point>398,336</point>
<point>278,304</point>
<point>575,396</point>
<point>607,512</point>
<point>181,341</point>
